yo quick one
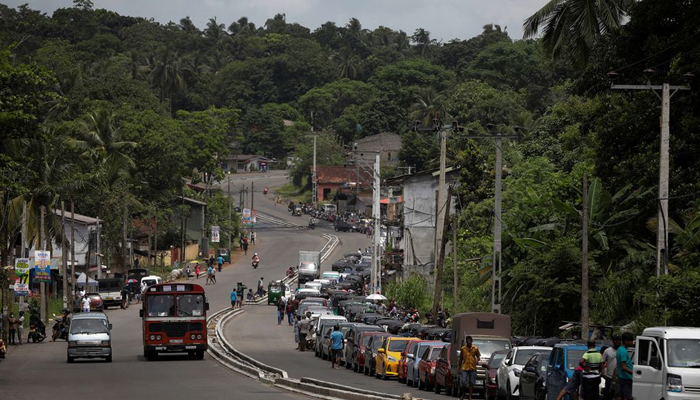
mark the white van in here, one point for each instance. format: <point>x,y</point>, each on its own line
<point>150,280</point>
<point>667,364</point>
<point>89,336</point>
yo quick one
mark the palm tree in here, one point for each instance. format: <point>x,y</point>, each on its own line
<point>348,63</point>
<point>429,103</point>
<point>575,25</point>
<point>242,27</point>
<point>188,26</point>
<point>214,30</point>
<point>168,74</point>
<point>424,44</point>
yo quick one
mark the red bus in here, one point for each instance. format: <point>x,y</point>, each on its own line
<point>174,319</point>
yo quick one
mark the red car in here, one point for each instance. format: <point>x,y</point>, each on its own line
<point>443,375</point>
<point>359,354</point>
<point>426,367</point>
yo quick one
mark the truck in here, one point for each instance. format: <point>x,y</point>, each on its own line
<point>667,364</point>
<point>489,331</point>
<point>309,266</point>
<point>111,292</point>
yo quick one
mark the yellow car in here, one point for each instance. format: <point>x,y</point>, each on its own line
<point>389,354</point>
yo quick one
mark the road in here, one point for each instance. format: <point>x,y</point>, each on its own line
<point>257,334</point>
<point>39,371</point>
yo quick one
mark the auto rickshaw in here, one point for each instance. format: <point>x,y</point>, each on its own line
<point>225,255</point>
<point>275,290</point>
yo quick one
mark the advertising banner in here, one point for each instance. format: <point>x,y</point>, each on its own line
<point>21,286</point>
<point>21,266</point>
<point>42,266</point>
<point>215,234</point>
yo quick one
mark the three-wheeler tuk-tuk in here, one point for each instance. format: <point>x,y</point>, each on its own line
<point>276,290</point>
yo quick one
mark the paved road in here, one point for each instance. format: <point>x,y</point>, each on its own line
<point>39,371</point>
<point>257,334</point>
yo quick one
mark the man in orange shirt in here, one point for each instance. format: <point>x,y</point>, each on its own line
<point>468,357</point>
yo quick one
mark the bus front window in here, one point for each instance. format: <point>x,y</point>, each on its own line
<point>161,306</point>
<point>190,305</point>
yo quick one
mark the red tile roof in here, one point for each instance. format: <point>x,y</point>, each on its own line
<point>340,174</point>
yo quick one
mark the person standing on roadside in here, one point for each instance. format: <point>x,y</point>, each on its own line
<point>20,327</point>
<point>85,303</point>
<point>281,308</point>
<point>609,366</point>
<point>590,377</point>
<point>252,237</point>
<point>468,357</point>
<point>197,270</point>
<point>336,345</point>
<point>234,298</point>
<point>624,368</point>
<point>12,325</point>
<point>245,245</point>
<point>290,312</point>
<point>303,326</point>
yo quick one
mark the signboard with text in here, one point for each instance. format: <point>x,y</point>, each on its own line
<point>215,236</point>
<point>42,266</point>
<point>21,286</point>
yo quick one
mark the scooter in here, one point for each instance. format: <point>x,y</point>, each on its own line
<point>255,264</point>
<point>312,226</point>
<point>36,334</point>
<point>59,330</point>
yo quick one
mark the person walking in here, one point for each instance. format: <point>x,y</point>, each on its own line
<point>624,368</point>
<point>85,303</point>
<point>197,270</point>
<point>590,377</point>
<point>12,325</point>
<point>335,343</point>
<point>213,275</point>
<point>261,287</point>
<point>245,246</point>
<point>252,237</point>
<point>290,312</point>
<point>240,289</point>
<point>574,383</point>
<point>303,330</point>
<point>20,327</point>
<point>609,366</point>
<point>188,272</point>
<point>234,298</point>
<point>211,260</point>
<point>209,268</point>
<point>220,262</point>
<point>281,309</point>
<point>468,357</point>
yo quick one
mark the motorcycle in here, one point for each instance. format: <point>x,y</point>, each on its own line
<point>36,333</point>
<point>312,226</point>
<point>59,330</point>
<point>255,264</point>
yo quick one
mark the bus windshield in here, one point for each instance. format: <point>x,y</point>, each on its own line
<point>162,305</point>
<point>190,305</point>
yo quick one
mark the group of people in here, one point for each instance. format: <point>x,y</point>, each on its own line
<point>244,242</point>
<point>594,366</point>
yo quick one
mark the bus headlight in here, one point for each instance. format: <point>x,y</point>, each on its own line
<point>199,337</point>
<point>158,337</point>
<point>192,336</point>
<point>152,337</point>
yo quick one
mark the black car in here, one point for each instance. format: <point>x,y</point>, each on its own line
<point>341,264</point>
<point>345,226</point>
<point>533,377</point>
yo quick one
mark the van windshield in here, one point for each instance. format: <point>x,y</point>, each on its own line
<point>88,326</point>
<point>684,353</point>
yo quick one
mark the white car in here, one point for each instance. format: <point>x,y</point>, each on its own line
<point>313,285</point>
<point>509,370</point>
<point>332,276</point>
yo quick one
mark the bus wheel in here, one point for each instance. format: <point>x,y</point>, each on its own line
<point>151,355</point>
<point>191,354</point>
<point>200,354</point>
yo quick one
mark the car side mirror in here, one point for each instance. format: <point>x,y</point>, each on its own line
<point>411,356</point>
<point>110,327</point>
<point>141,313</point>
<point>381,351</point>
<point>530,369</point>
<point>206,306</point>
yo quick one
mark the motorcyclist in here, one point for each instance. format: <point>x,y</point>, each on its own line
<point>256,260</point>
<point>312,222</point>
<point>35,319</point>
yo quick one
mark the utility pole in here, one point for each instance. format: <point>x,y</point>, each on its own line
<point>42,285</point>
<point>228,191</point>
<point>497,137</point>
<point>252,194</point>
<point>440,267</point>
<point>662,218</point>
<point>64,255</point>
<point>376,216</point>
<point>442,210</point>
<point>454,261</point>
<point>72,243</point>
<point>584,264</point>
<point>125,238</point>
<point>314,184</point>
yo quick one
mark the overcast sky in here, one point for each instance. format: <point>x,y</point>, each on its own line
<point>445,19</point>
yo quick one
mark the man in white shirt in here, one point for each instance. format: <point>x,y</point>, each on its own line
<point>85,303</point>
<point>609,366</point>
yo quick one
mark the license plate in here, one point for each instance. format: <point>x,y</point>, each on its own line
<point>479,382</point>
<point>108,298</point>
<point>175,340</point>
<point>190,347</point>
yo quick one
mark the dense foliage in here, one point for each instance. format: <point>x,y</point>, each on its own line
<point>111,112</point>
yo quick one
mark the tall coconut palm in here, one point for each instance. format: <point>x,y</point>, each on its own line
<point>424,44</point>
<point>168,74</point>
<point>428,103</point>
<point>242,27</point>
<point>575,25</point>
<point>348,63</point>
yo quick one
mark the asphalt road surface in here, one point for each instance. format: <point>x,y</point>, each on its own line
<point>256,333</point>
<point>39,371</point>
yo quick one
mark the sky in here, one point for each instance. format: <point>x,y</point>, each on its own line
<point>444,19</point>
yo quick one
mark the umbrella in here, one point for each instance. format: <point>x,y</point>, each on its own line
<point>375,296</point>
<point>132,280</point>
